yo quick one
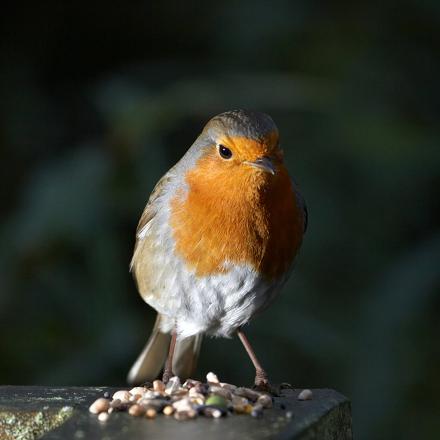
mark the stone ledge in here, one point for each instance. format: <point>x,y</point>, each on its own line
<point>61,413</point>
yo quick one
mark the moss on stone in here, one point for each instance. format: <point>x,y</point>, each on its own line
<point>31,425</point>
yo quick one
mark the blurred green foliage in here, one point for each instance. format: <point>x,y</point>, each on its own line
<point>99,99</point>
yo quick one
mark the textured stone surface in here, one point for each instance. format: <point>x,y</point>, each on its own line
<point>327,416</point>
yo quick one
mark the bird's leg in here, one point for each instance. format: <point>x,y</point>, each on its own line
<point>261,380</point>
<point>168,370</point>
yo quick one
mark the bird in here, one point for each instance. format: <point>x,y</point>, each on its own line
<point>215,243</point>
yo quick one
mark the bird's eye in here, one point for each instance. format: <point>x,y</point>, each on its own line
<point>225,152</point>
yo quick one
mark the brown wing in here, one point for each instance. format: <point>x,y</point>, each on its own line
<point>150,209</point>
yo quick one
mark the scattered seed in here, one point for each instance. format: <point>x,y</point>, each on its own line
<point>193,393</point>
<point>115,403</point>
<point>123,396</point>
<point>138,390</point>
<point>198,401</point>
<point>168,410</point>
<point>217,413</point>
<point>156,404</point>
<point>243,409</point>
<point>239,409</point>
<point>136,410</point>
<point>103,417</point>
<point>228,386</point>
<point>239,400</point>
<point>190,383</point>
<point>209,411</point>
<point>173,385</point>
<point>305,395</point>
<point>265,400</point>
<point>100,405</point>
<point>248,409</point>
<point>182,404</point>
<point>202,388</point>
<point>219,391</point>
<point>216,401</point>
<point>135,398</point>
<point>180,393</point>
<point>186,414</point>
<point>212,378</point>
<point>181,415</point>
<point>248,393</point>
<point>257,411</point>
<point>151,413</point>
<point>149,394</point>
<point>159,386</point>
<point>212,399</point>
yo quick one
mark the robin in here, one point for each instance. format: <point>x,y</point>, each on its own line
<point>215,242</point>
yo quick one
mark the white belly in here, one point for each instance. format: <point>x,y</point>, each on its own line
<point>215,305</point>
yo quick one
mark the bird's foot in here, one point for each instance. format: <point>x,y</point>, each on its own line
<point>167,375</point>
<point>267,388</point>
<point>262,383</point>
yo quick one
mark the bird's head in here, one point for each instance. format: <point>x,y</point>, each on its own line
<point>242,141</point>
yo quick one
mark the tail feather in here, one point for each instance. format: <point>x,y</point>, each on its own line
<point>186,355</point>
<point>152,358</point>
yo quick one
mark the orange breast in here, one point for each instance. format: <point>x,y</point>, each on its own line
<point>237,216</point>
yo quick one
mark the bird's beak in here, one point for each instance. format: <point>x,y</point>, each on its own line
<point>263,163</point>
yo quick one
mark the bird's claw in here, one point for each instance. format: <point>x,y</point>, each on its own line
<point>266,387</point>
<point>262,383</point>
<point>167,375</point>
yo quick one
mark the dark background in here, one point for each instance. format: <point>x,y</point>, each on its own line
<point>99,99</point>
